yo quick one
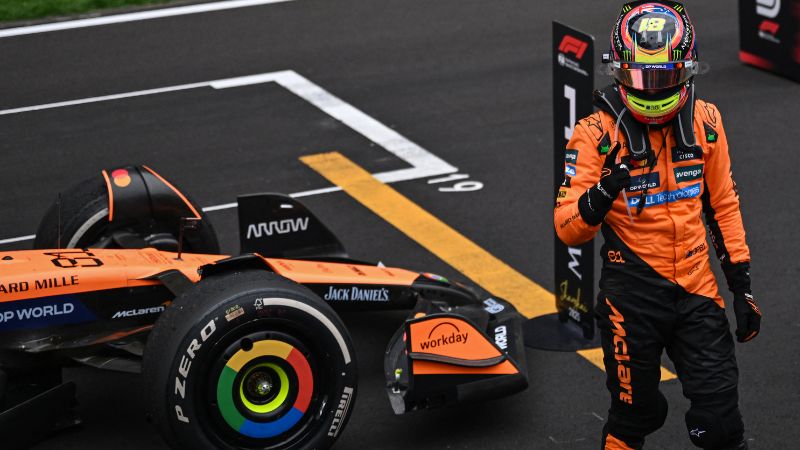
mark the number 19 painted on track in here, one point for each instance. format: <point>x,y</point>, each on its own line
<point>461,186</point>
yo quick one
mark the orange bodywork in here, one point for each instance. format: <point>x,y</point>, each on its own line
<point>41,273</point>
<point>669,234</point>
<point>110,196</point>
<point>612,443</point>
<point>453,338</point>
<point>302,271</point>
<point>434,368</point>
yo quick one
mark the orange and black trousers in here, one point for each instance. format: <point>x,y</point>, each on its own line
<point>640,315</point>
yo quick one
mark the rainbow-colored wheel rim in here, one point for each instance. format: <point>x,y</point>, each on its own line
<point>233,404</point>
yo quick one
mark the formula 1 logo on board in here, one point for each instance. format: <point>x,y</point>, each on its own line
<point>768,30</point>
<point>572,46</point>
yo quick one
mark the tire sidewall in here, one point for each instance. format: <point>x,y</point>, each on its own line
<point>294,311</point>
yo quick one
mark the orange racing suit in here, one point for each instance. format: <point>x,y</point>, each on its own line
<point>668,234</point>
<point>657,290</point>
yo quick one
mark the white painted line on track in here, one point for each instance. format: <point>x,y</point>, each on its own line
<point>135,16</point>
<point>29,237</point>
<point>103,98</point>
<point>423,163</point>
<point>294,195</point>
<point>220,207</point>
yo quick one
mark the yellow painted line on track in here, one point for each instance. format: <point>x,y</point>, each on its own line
<point>595,356</point>
<point>452,247</point>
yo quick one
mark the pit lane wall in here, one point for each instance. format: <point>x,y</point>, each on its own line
<point>769,33</point>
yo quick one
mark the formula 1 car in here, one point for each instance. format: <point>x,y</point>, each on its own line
<point>236,352</point>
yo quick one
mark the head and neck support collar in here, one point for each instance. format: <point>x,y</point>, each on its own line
<point>609,100</point>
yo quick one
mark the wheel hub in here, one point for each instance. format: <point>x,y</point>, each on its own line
<point>265,388</point>
<point>260,386</point>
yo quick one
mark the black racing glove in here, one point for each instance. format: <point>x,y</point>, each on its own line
<point>748,316</point>
<point>596,202</point>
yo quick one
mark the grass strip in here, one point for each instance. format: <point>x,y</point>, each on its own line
<point>18,10</point>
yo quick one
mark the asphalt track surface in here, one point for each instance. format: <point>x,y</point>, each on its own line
<point>467,80</point>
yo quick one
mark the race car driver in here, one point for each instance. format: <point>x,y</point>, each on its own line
<point>642,170</point>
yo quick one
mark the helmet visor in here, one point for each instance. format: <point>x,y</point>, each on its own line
<point>643,76</point>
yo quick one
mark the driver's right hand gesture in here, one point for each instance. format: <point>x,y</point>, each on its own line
<point>597,201</point>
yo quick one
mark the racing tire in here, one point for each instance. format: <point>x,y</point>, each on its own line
<point>83,223</point>
<point>249,360</point>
